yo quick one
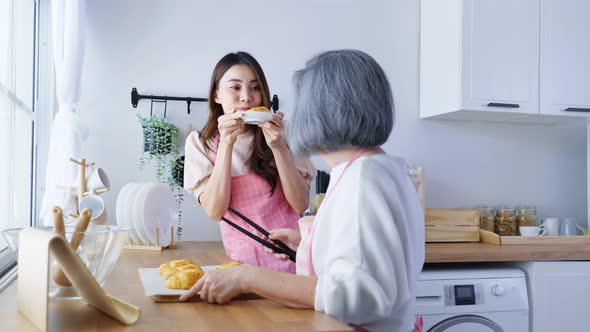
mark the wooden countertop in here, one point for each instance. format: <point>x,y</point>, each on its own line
<point>124,283</point>
<point>483,252</point>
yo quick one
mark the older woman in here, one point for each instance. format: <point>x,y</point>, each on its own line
<point>359,259</point>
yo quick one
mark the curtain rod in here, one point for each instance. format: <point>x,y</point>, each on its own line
<point>136,97</point>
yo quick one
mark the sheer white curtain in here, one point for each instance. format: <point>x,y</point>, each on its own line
<point>67,134</point>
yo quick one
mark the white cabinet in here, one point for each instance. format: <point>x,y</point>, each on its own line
<point>565,57</point>
<point>500,55</point>
<point>497,59</point>
<point>558,295</point>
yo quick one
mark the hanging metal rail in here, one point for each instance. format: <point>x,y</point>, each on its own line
<point>136,97</point>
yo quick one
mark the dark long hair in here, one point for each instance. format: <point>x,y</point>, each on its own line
<point>261,161</point>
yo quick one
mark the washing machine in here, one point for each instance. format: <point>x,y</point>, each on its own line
<point>472,298</point>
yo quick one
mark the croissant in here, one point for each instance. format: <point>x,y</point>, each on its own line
<point>173,283</point>
<point>181,273</point>
<point>180,262</point>
<point>258,109</point>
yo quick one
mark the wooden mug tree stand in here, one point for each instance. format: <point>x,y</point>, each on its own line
<point>81,189</point>
<point>151,246</point>
<point>32,291</point>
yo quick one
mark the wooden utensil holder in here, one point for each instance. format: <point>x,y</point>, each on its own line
<point>33,284</point>
<point>150,246</point>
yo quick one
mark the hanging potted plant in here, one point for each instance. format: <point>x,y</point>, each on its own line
<point>160,144</point>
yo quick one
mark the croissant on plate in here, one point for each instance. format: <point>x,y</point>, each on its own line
<point>181,273</point>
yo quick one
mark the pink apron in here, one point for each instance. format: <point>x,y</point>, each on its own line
<point>249,195</point>
<point>307,229</point>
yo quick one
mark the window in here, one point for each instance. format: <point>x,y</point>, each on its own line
<point>18,23</point>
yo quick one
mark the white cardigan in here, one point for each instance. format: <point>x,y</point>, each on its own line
<point>368,247</point>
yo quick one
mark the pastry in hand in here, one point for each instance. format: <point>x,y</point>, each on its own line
<point>228,265</point>
<point>258,109</point>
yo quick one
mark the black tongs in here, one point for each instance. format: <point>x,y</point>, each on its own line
<point>279,247</point>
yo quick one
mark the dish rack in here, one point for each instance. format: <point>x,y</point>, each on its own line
<point>151,246</point>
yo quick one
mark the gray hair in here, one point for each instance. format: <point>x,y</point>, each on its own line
<point>342,100</point>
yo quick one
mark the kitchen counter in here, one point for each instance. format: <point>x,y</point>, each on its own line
<point>483,252</point>
<point>124,283</point>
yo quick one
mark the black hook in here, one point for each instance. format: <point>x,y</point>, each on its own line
<point>274,104</point>
<point>188,106</point>
<point>151,107</point>
<point>165,105</point>
<point>134,97</point>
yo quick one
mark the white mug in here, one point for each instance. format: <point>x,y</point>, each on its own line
<point>99,211</point>
<point>532,230</point>
<point>97,179</point>
<point>551,226</point>
<point>569,227</point>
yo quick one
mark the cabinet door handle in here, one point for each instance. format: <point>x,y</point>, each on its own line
<point>503,105</point>
<point>577,109</point>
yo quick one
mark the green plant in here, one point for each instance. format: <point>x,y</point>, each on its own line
<point>160,145</point>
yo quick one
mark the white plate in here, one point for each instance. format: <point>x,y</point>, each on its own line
<point>159,211</point>
<point>155,284</point>
<point>138,211</point>
<point>124,206</point>
<point>252,117</point>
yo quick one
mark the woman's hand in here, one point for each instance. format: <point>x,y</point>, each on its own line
<point>219,286</point>
<point>290,237</point>
<point>274,131</point>
<point>230,126</point>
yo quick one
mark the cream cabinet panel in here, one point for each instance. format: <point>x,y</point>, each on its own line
<point>558,295</point>
<point>500,55</point>
<point>479,55</point>
<point>565,57</point>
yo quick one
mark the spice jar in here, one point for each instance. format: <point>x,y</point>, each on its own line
<point>505,222</point>
<point>486,217</point>
<point>526,216</point>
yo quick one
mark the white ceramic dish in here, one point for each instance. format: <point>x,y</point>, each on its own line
<point>129,217</point>
<point>159,211</point>
<point>252,117</point>
<point>138,211</point>
<point>124,205</point>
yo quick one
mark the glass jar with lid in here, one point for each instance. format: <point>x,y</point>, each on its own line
<point>505,221</point>
<point>486,217</point>
<point>526,216</point>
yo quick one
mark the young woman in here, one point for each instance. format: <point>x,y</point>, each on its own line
<point>358,261</point>
<point>246,167</point>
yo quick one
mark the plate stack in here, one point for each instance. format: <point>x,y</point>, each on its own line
<point>147,207</point>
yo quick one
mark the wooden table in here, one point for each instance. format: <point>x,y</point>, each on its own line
<point>483,252</point>
<point>124,283</point>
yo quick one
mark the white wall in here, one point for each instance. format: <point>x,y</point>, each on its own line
<point>170,47</point>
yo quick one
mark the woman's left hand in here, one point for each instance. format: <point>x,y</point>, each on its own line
<point>219,286</point>
<point>274,131</point>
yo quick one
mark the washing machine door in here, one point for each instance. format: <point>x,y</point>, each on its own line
<point>466,323</point>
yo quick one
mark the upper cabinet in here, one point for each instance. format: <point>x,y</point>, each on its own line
<point>565,57</point>
<point>503,60</point>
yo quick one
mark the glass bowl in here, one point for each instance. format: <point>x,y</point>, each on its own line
<point>99,250</point>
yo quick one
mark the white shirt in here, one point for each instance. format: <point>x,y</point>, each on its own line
<point>368,247</point>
